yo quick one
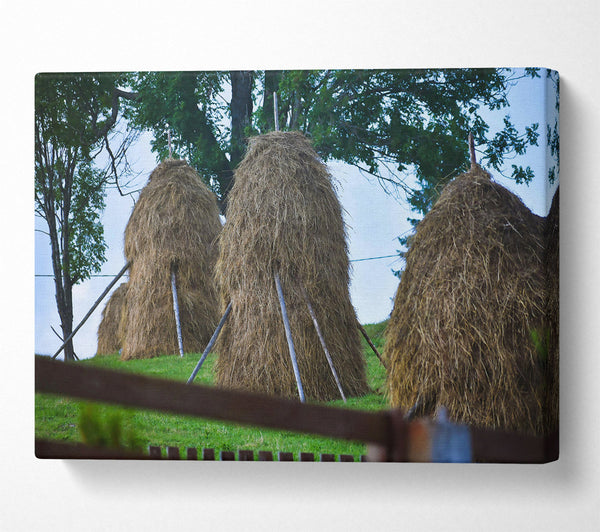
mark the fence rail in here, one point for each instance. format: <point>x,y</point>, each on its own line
<point>391,438</point>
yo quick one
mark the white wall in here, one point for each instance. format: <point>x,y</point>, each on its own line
<point>58,36</point>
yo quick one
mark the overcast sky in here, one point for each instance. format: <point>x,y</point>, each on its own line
<point>375,219</point>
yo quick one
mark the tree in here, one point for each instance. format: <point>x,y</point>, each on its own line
<point>408,128</point>
<point>206,129</point>
<point>74,116</point>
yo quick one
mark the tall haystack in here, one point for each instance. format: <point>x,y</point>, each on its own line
<point>471,293</point>
<point>551,275</point>
<point>284,216</point>
<point>109,335</point>
<point>174,226</point>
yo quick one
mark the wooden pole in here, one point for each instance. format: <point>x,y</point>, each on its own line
<point>366,336</point>
<point>176,311</point>
<point>323,345</point>
<point>102,296</point>
<point>472,150</point>
<point>169,141</point>
<point>288,335</point>
<point>210,345</point>
<point>276,111</point>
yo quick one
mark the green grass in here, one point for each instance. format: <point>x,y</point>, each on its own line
<point>60,418</point>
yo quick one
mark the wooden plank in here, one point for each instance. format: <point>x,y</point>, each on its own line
<point>245,455</point>
<point>398,443</point>
<point>227,456</point>
<point>265,456</point>
<point>84,382</point>
<point>285,457</point>
<point>47,449</point>
<point>363,458</point>
<point>192,453</point>
<point>346,458</point>
<point>307,457</point>
<point>173,453</point>
<point>506,447</point>
<point>154,452</point>
<point>208,454</point>
<point>327,457</point>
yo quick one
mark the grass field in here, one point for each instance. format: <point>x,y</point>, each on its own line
<point>66,419</point>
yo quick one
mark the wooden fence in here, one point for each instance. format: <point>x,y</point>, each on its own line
<point>55,449</point>
<point>388,435</point>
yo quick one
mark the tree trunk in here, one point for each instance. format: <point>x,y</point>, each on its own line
<point>63,288</point>
<point>241,113</point>
<point>197,127</point>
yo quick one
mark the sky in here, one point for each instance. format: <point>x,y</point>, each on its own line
<point>374,221</point>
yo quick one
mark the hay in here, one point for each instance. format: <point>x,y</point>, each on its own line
<point>472,291</point>
<point>284,216</point>
<point>109,339</point>
<point>174,224</point>
<point>551,276</point>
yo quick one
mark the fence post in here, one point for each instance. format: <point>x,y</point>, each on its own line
<point>398,437</point>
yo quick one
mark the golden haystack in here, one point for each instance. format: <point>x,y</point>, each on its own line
<point>109,339</point>
<point>471,293</point>
<point>174,225</point>
<point>284,216</point>
<point>551,274</point>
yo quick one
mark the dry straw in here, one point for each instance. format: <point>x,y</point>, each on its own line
<point>284,216</point>
<point>471,293</point>
<point>109,339</point>
<point>174,225</point>
<point>551,269</point>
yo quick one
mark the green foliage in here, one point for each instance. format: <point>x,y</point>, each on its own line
<point>73,115</point>
<point>102,426</point>
<point>86,240</point>
<point>190,105</point>
<point>392,124</point>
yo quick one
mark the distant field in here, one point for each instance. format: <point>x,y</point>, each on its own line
<point>59,418</point>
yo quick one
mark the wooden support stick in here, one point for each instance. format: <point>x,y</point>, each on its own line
<point>323,345</point>
<point>176,311</point>
<point>61,339</point>
<point>288,335</point>
<point>59,336</point>
<point>169,141</point>
<point>472,150</point>
<point>210,345</point>
<point>102,296</point>
<point>366,336</point>
<point>276,111</point>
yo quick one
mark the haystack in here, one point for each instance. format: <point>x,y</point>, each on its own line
<point>109,338</point>
<point>174,226</point>
<point>551,276</point>
<point>472,291</point>
<point>284,216</point>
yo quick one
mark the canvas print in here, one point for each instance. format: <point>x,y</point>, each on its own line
<point>324,265</point>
